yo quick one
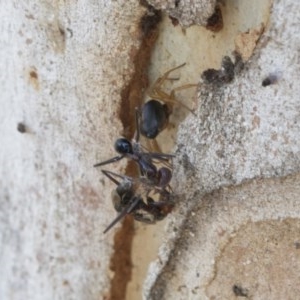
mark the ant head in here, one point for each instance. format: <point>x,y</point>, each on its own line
<point>123,146</point>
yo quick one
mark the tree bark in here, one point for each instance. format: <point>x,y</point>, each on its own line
<point>72,75</point>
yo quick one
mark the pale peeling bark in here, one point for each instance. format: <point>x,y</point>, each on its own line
<point>187,12</point>
<point>63,66</point>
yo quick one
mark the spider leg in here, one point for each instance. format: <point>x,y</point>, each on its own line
<point>157,92</point>
<point>160,81</point>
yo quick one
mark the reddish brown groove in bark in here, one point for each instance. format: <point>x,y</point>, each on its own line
<point>132,97</point>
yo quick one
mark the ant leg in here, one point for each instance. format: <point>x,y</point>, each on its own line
<point>114,159</point>
<point>161,203</point>
<point>137,124</point>
<point>110,175</point>
<point>127,210</point>
<point>162,157</point>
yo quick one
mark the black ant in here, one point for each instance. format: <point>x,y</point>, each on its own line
<point>154,115</point>
<point>133,150</point>
<point>128,198</point>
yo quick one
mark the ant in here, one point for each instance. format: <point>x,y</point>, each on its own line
<point>128,198</point>
<point>154,115</point>
<point>145,160</point>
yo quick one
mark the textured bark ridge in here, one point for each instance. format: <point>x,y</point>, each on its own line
<point>69,69</point>
<point>244,130</point>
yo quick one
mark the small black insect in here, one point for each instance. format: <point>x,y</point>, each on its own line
<point>240,291</point>
<point>21,127</point>
<point>153,117</point>
<point>147,161</point>
<point>270,79</point>
<point>135,197</point>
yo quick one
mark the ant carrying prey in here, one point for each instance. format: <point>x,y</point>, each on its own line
<point>147,198</point>
<point>159,177</point>
<point>154,115</point>
<point>128,198</point>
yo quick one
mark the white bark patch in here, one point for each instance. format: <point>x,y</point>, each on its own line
<point>63,66</point>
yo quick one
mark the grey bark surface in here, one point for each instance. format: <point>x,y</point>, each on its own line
<point>243,131</point>
<point>236,173</point>
<point>187,12</point>
<point>63,65</point>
